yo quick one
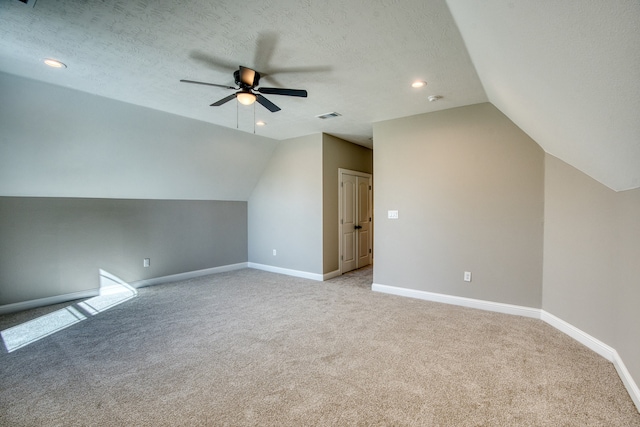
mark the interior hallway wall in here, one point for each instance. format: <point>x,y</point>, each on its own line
<point>337,153</point>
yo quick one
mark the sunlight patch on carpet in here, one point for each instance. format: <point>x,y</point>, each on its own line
<point>113,291</point>
<point>33,330</point>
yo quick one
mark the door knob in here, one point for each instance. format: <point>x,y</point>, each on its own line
<point>357,227</point>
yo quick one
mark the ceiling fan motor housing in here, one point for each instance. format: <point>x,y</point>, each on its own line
<point>243,85</point>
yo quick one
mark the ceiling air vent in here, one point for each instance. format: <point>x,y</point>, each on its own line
<point>329,115</point>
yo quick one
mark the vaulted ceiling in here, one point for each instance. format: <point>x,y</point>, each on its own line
<point>567,73</point>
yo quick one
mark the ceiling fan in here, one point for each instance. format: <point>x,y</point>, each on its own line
<point>247,81</point>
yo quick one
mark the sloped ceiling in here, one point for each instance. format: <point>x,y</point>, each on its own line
<point>565,72</point>
<point>356,57</point>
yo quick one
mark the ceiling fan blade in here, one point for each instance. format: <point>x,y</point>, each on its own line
<point>212,61</point>
<point>279,91</point>
<point>223,100</point>
<point>207,84</point>
<point>309,69</point>
<point>271,79</point>
<point>267,104</point>
<point>265,46</point>
<point>247,76</point>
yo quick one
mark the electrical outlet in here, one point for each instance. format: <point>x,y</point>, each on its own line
<point>274,252</point>
<point>467,276</point>
<point>146,262</point>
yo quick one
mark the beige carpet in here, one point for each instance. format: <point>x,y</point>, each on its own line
<point>256,348</point>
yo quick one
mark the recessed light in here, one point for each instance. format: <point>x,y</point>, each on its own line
<point>434,98</point>
<point>418,83</point>
<point>53,63</point>
<point>260,123</point>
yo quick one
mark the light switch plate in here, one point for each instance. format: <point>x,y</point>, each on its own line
<point>392,214</point>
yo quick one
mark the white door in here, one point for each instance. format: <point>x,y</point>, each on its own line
<point>355,220</point>
<point>363,229</point>
<point>349,223</point>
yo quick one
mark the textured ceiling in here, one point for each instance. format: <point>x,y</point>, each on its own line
<point>565,72</point>
<point>355,57</point>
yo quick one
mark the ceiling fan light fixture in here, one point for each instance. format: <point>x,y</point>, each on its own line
<point>246,98</point>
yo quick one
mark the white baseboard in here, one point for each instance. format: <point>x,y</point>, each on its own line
<point>461,301</point>
<point>627,379</point>
<point>188,275</point>
<point>331,274</point>
<point>56,299</point>
<point>41,302</point>
<point>582,337</point>
<point>599,347</point>
<point>286,271</point>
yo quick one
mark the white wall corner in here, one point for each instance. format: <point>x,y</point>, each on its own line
<point>286,271</point>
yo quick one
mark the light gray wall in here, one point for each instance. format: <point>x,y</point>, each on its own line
<point>58,142</point>
<point>69,158</point>
<point>579,249</point>
<point>627,314</point>
<point>468,185</point>
<point>285,208</point>
<point>591,252</point>
<point>337,153</point>
<point>55,246</point>
<point>294,207</point>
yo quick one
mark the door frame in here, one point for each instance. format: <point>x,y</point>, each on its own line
<point>370,196</point>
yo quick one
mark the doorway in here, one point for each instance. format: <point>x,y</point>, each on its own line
<point>355,219</point>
